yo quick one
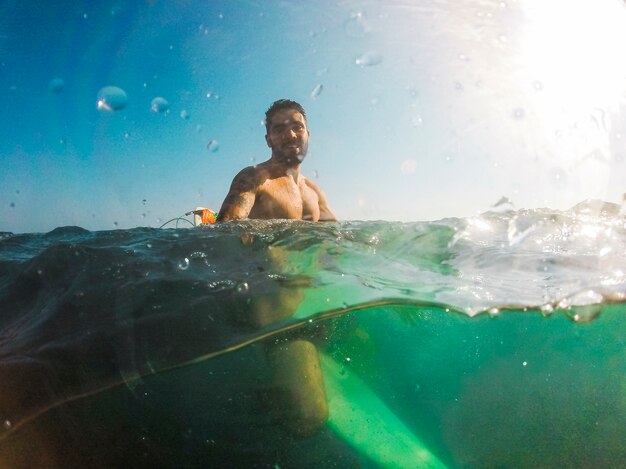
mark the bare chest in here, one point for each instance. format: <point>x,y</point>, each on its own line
<point>284,198</point>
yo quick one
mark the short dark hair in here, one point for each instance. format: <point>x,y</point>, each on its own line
<point>281,105</point>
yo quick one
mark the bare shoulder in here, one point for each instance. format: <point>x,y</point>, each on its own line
<point>247,177</point>
<point>242,194</point>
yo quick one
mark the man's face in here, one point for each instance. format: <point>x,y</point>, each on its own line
<point>288,136</point>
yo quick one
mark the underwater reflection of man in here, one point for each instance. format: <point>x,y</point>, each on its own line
<point>276,189</point>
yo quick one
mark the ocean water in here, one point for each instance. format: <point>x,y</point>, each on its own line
<point>491,341</point>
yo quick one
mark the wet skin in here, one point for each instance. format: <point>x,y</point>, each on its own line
<point>276,189</point>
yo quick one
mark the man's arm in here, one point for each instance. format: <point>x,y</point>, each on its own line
<point>240,198</point>
<point>326,214</point>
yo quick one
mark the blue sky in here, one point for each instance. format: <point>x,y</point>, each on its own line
<point>422,111</point>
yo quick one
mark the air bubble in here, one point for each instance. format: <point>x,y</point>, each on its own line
<point>317,91</point>
<point>111,98</point>
<point>242,288</point>
<point>369,59</point>
<point>183,264</point>
<point>518,113</point>
<point>184,115</point>
<point>198,255</point>
<point>56,85</point>
<point>585,313</point>
<point>159,104</point>
<point>213,146</point>
<point>537,85</point>
<point>493,312</point>
<point>7,424</point>
<point>546,310</point>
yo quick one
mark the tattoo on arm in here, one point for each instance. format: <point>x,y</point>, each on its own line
<point>236,206</point>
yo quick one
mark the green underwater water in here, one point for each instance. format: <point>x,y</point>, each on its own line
<point>516,390</point>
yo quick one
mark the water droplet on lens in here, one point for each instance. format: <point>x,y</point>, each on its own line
<point>183,264</point>
<point>159,104</point>
<point>369,59</point>
<point>559,176</point>
<point>213,146</point>
<point>317,91</point>
<point>518,113</point>
<point>356,26</point>
<point>111,98</point>
<point>408,166</point>
<point>417,121</point>
<point>56,85</point>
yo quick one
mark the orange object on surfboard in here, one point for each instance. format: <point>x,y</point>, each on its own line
<point>203,216</point>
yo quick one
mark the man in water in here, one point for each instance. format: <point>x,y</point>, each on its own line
<point>276,188</point>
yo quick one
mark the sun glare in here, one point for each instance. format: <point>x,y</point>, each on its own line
<point>573,55</point>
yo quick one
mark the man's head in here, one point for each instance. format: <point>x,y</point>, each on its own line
<point>281,105</point>
<point>287,132</point>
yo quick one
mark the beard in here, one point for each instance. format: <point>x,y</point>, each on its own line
<point>291,156</point>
